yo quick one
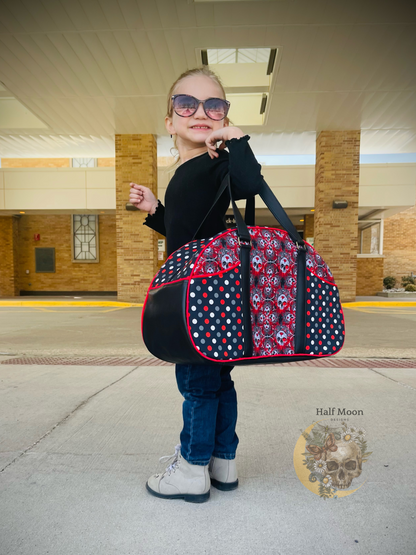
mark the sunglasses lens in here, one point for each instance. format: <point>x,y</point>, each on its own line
<point>184,105</point>
<point>216,108</point>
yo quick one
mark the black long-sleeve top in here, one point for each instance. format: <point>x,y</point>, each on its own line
<point>192,189</point>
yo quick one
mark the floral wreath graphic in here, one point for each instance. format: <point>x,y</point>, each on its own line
<point>334,456</point>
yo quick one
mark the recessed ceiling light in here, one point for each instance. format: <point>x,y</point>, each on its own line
<point>246,74</point>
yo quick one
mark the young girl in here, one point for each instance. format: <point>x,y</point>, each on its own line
<point>197,119</point>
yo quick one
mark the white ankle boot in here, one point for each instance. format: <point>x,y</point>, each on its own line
<point>223,473</point>
<point>181,479</point>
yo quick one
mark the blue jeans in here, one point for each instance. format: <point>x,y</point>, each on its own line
<point>209,412</point>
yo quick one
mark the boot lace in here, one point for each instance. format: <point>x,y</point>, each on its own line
<point>175,458</point>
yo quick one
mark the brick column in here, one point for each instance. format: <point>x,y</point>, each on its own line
<point>308,226</point>
<point>136,160</point>
<point>9,277</point>
<point>336,230</point>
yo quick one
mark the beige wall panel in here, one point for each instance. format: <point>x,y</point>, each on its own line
<point>387,195</point>
<point>101,199</point>
<point>387,174</point>
<point>45,199</point>
<point>102,179</point>
<point>289,197</point>
<point>44,179</point>
<point>284,176</point>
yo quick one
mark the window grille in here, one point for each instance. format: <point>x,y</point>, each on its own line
<point>85,238</point>
<point>84,162</point>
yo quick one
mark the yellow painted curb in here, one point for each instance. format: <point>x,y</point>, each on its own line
<point>67,303</point>
<point>378,303</point>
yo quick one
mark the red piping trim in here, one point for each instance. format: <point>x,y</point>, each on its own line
<point>197,276</point>
<point>322,279</point>
<point>167,283</point>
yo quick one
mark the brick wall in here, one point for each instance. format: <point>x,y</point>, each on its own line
<point>399,244</point>
<point>106,162</point>
<point>55,231</point>
<point>50,162</point>
<point>8,256</point>
<point>136,160</point>
<point>336,231</point>
<point>370,273</point>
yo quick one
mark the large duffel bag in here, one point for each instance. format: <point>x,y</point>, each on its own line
<point>249,294</point>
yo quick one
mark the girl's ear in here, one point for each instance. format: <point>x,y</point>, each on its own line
<point>169,125</point>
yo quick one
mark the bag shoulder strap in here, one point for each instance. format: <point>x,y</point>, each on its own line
<point>269,200</point>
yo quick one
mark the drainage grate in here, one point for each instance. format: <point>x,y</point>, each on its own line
<point>152,361</point>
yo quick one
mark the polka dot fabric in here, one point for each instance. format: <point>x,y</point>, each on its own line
<point>180,263</point>
<point>215,315</point>
<point>325,329</point>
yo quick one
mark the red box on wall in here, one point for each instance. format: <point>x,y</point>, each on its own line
<point>36,237</point>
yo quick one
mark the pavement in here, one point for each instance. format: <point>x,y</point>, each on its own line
<point>79,441</point>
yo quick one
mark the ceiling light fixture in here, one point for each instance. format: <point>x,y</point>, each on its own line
<point>248,76</point>
<point>263,103</point>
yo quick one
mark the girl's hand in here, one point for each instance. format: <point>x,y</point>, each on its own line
<point>142,197</point>
<point>223,134</point>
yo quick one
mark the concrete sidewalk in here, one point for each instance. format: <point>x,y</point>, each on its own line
<point>79,442</point>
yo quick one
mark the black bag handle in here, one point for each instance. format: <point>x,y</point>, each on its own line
<point>250,212</point>
<point>269,200</point>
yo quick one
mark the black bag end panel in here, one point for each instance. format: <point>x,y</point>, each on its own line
<point>164,324</point>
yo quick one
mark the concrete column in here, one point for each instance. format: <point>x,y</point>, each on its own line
<point>136,160</point>
<point>9,276</point>
<point>336,230</point>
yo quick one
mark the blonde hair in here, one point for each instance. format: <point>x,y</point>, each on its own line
<point>191,72</point>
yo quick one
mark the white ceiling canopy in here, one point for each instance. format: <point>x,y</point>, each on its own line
<point>76,73</point>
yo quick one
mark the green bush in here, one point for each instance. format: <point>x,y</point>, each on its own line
<point>410,287</point>
<point>389,282</point>
<point>408,279</point>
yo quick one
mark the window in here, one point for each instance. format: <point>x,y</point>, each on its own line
<point>371,239</point>
<point>85,238</point>
<point>84,162</point>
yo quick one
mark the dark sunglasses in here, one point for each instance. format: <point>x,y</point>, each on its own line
<point>186,105</point>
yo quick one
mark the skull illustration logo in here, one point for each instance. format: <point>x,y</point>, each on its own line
<point>344,464</point>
